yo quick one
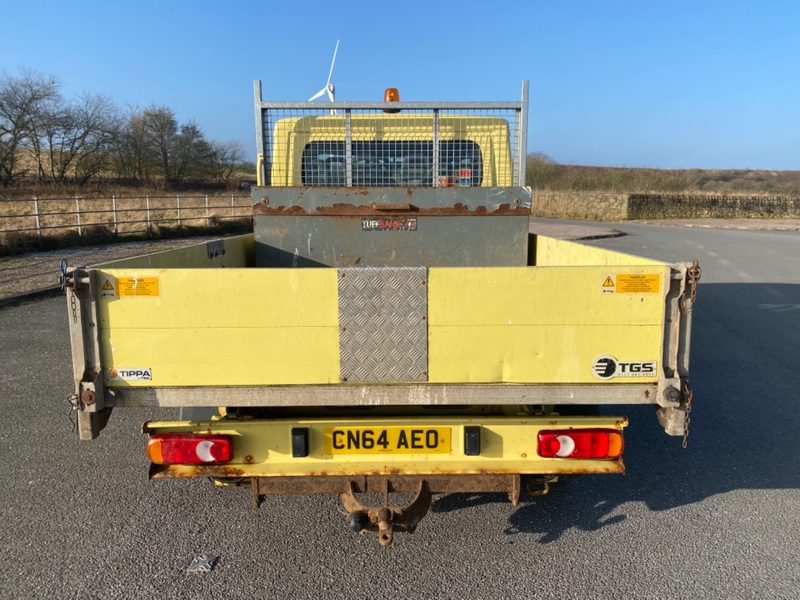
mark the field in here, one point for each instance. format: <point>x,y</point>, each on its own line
<point>544,174</point>
<point>34,218</point>
<point>48,222</point>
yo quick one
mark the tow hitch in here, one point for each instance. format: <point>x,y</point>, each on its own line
<point>386,519</point>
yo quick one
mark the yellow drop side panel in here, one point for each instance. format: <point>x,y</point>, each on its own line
<point>249,327</point>
<point>541,324</point>
<point>551,252</point>
<point>217,327</point>
<point>238,252</point>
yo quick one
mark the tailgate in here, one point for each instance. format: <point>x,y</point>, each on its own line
<point>324,326</point>
<point>608,331</point>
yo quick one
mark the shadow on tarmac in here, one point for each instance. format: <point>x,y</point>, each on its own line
<point>746,378</point>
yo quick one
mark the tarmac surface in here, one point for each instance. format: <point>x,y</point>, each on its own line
<point>717,520</point>
<point>745,224</point>
<point>27,276</point>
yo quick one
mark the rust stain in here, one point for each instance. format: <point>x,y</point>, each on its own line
<point>189,471</point>
<point>379,483</point>
<point>362,210</point>
<point>321,480</point>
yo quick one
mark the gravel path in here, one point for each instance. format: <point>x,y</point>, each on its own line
<point>38,272</point>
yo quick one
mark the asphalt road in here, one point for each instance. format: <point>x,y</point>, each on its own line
<point>720,519</point>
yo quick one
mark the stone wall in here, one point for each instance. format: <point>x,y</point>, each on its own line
<point>608,206</point>
<point>591,206</point>
<point>679,206</point>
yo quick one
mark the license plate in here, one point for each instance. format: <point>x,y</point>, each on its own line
<point>387,440</point>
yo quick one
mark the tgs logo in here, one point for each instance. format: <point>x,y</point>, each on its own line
<point>607,367</point>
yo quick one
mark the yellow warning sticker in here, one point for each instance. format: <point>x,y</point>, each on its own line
<point>137,286</point>
<point>108,289</point>
<point>646,283</point>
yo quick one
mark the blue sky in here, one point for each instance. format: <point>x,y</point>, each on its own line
<point>709,84</point>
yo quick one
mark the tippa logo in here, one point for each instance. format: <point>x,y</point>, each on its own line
<point>114,374</point>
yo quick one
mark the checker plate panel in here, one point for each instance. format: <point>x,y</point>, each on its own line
<point>383,329</point>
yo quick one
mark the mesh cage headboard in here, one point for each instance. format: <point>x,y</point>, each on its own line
<point>398,144</point>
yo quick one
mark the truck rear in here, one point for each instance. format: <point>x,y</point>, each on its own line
<point>391,326</point>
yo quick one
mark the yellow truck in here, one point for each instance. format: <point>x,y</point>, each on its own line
<point>390,326</point>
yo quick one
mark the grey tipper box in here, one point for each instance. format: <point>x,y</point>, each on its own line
<point>431,227</point>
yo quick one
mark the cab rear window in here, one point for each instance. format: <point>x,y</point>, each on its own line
<point>392,164</point>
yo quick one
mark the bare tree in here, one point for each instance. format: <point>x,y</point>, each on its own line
<point>75,141</point>
<point>68,141</point>
<point>181,150</point>
<point>160,133</point>
<point>97,126</point>
<point>223,159</point>
<point>192,153</point>
<point>133,159</point>
<point>48,126</point>
<point>22,98</point>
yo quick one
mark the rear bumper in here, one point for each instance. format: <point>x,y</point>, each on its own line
<point>507,447</point>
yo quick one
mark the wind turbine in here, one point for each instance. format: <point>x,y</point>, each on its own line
<point>329,88</point>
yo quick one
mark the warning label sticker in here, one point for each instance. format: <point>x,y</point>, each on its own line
<point>137,286</point>
<point>108,288</point>
<point>608,285</point>
<point>638,284</point>
<point>628,283</point>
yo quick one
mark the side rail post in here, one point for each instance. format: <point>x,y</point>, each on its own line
<point>89,400</point>
<point>675,402</point>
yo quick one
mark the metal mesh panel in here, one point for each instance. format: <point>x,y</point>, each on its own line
<point>414,145</point>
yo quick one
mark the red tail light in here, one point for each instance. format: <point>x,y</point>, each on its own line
<point>189,449</point>
<point>581,443</point>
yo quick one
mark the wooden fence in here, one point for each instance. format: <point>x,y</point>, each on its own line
<point>41,217</point>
